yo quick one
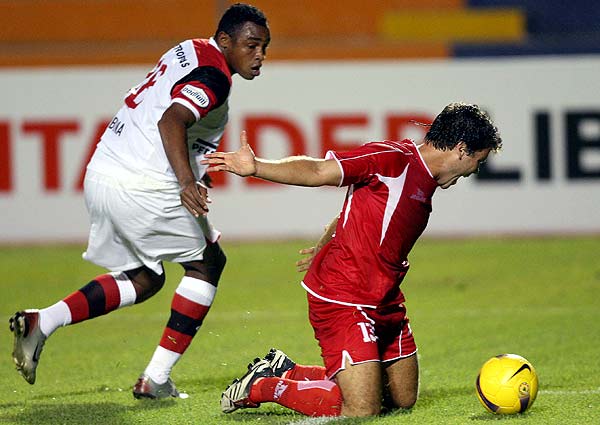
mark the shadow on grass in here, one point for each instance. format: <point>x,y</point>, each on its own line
<point>51,414</point>
<point>276,415</point>
<point>430,397</point>
<point>493,417</point>
<point>60,395</point>
<point>290,418</point>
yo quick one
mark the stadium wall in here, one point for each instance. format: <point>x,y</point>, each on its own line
<point>545,181</point>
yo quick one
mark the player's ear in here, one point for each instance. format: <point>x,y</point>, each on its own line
<point>224,40</point>
<point>461,149</point>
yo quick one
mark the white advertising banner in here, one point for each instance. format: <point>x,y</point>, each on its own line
<point>546,180</point>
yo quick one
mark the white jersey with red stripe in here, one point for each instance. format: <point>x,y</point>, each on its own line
<point>387,207</point>
<point>194,74</point>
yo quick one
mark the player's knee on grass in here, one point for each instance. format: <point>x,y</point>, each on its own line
<point>402,383</point>
<point>405,400</point>
<point>146,282</point>
<point>360,408</point>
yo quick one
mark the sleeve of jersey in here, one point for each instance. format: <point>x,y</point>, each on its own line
<point>358,164</point>
<point>202,90</point>
<point>195,96</point>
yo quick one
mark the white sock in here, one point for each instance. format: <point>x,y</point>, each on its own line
<point>195,291</point>
<point>53,317</point>
<point>159,368</point>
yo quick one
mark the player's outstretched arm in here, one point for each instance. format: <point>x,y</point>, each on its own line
<point>241,162</point>
<point>296,170</point>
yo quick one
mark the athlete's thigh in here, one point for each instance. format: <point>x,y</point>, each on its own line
<point>158,226</point>
<point>345,334</point>
<point>403,380</point>
<point>106,246</point>
<point>150,226</point>
<point>361,386</point>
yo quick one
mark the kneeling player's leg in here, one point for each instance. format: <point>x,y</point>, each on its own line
<point>303,388</point>
<point>190,305</point>
<point>311,398</point>
<point>284,367</point>
<point>302,372</point>
<point>350,351</point>
<point>360,385</point>
<point>399,355</point>
<point>403,381</point>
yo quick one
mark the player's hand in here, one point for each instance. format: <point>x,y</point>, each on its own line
<point>240,162</point>
<point>303,264</point>
<point>194,196</point>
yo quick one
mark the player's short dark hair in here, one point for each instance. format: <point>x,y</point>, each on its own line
<point>461,122</point>
<point>237,15</point>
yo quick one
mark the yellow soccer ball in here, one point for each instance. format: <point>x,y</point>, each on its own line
<point>507,384</point>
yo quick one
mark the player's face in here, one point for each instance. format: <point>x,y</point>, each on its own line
<point>463,165</point>
<point>246,50</point>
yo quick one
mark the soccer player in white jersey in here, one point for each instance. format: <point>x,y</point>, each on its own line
<point>356,306</point>
<point>146,202</point>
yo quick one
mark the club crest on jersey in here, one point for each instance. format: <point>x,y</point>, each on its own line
<point>419,196</point>
<point>196,95</point>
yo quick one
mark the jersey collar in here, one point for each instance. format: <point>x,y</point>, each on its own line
<point>213,43</point>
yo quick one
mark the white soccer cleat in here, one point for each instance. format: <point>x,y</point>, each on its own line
<point>145,387</point>
<point>236,395</point>
<point>279,361</point>
<point>29,342</point>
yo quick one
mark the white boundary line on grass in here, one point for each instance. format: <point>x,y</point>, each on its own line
<point>315,421</point>
<point>574,392</point>
<point>328,419</point>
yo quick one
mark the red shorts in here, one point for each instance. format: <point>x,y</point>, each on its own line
<point>359,334</point>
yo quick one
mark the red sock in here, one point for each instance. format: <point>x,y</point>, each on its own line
<point>305,373</point>
<point>312,398</point>
<point>186,318</point>
<point>190,305</point>
<point>102,295</point>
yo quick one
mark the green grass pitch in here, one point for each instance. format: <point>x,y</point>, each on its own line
<point>468,300</point>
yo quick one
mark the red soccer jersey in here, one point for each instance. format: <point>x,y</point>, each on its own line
<point>386,209</point>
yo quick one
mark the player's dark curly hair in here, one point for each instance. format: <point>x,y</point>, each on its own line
<point>237,15</point>
<point>461,122</point>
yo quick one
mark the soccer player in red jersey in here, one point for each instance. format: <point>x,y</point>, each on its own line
<point>356,306</point>
<point>146,202</point>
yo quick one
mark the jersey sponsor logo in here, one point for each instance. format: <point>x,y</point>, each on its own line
<point>116,126</point>
<point>183,62</point>
<point>203,147</point>
<point>196,95</point>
